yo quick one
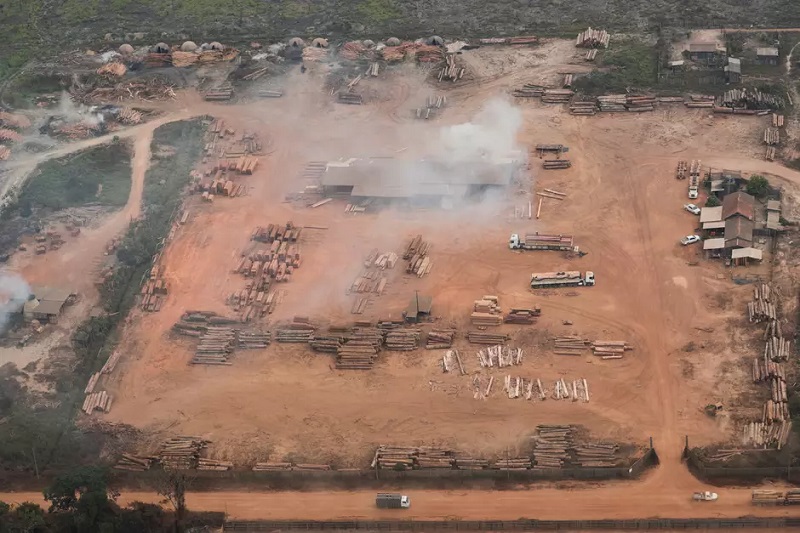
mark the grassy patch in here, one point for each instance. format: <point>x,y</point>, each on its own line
<point>629,63</point>
<point>100,175</point>
<point>377,11</point>
<point>294,9</point>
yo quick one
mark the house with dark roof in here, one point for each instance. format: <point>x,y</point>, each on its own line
<point>738,233</point>
<point>767,56</point>
<point>738,204</point>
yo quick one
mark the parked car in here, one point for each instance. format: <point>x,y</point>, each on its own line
<point>705,496</point>
<point>690,239</point>
<point>693,209</point>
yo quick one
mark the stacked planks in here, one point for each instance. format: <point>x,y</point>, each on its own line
<point>522,316</point>
<point>486,312</point>
<point>450,360</point>
<point>439,339</point>
<point>570,345</point>
<point>416,254</point>
<point>181,453</point>
<point>134,463</point>
<point>480,337</point>
<point>550,446</point>
<point>402,340</point>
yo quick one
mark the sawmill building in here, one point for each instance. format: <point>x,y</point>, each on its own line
<point>424,182</point>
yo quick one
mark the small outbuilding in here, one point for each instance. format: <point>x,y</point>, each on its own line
<point>742,256</point>
<point>392,41</point>
<point>419,309</point>
<point>733,70</point>
<point>160,48</point>
<point>714,247</point>
<point>296,42</point>
<point>188,46</point>
<point>711,53</point>
<point>126,49</point>
<point>319,42</point>
<point>46,304</point>
<point>216,46</point>
<point>435,40</point>
<point>767,56</point>
<point>738,232</point>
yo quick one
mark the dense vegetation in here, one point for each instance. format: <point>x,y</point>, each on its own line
<point>38,430</point>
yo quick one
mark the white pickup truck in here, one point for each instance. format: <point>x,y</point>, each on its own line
<point>705,496</point>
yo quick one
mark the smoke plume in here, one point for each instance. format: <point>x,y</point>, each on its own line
<point>14,292</point>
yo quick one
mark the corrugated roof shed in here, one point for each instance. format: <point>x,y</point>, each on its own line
<point>710,214</point>
<point>51,293</point>
<point>48,307</point>
<point>714,244</point>
<point>717,186</point>
<point>734,65</point>
<point>738,232</point>
<point>739,203</point>
<point>705,47</point>
<point>773,220</point>
<point>767,52</point>
<point>717,224</point>
<point>774,205</point>
<point>749,253</point>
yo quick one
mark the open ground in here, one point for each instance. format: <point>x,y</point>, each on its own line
<point>624,207</point>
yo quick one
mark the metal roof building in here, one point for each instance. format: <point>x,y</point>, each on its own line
<point>710,214</point>
<point>738,203</point>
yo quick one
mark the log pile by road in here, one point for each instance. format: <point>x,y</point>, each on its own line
<point>777,349</point>
<point>134,463</point>
<point>583,107</point>
<point>529,90</point>
<point>402,340</point>
<point>750,99</point>
<point>439,339</point>
<point>764,368</point>
<point>591,38</point>
<point>550,446</point>
<point>556,164</point>
<point>775,497</point>
<point>763,305</point>
<point>500,356</point>
<point>557,96</point>
<point>571,390</point>
<point>97,401</point>
<point>416,254</point>
<point>359,350</point>
<point>596,455</point>
<point>451,71</point>
<point>481,337</point>
<point>451,361</point>
<point>181,453</point>
<point>272,466</point>
<point>766,435</point>
<point>212,464</point>
<point>412,457</point>
<point>517,463</point>
<point>570,345</point>
<point>215,347</point>
<point>610,349</point>
<point>522,315</point>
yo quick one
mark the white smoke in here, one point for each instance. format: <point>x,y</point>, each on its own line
<point>491,134</point>
<point>70,112</point>
<point>14,292</point>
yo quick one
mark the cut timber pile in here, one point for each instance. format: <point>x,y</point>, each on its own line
<point>440,338</point>
<point>212,464</point>
<point>326,343</point>
<point>522,316</point>
<point>111,363</point>
<point>638,104</point>
<point>416,254</point>
<point>777,349</point>
<point>596,455</point>
<point>402,340</point>
<point>479,337</point>
<point>769,155</point>
<point>612,103</point>
<point>772,136</point>
<point>451,71</point>
<point>450,360</point>
<point>777,120</point>
<point>500,356</point>
<point>556,164</point>
<point>359,350</point>
<point>134,463</point>
<point>764,368</point>
<point>267,93</point>
<point>557,96</point>
<point>591,55</point>
<point>570,345</point>
<point>571,390</point>
<point>215,346</point>
<point>272,466</point>
<point>765,435</point>
<point>412,457</point>
<point>739,100</point>
<point>249,340</point>
<point>519,463</point>
<point>583,107</point>
<point>771,497</point>
<point>610,349</point>
<point>486,312</point>
<point>220,94</point>
<point>591,38</point>
<point>153,291</point>
<point>97,401</point>
<point>680,172</point>
<point>359,305</point>
<point>529,91</point>
<point>350,98</point>
<point>551,445</point>
<point>195,323</point>
<point>181,453</point>
<point>300,330</point>
<point>763,305</point>
<point>567,81</point>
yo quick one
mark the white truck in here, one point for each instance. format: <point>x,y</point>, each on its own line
<point>705,496</point>
<point>541,241</point>
<point>392,501</point>
<point>551,280</point>
<point>694,182</point>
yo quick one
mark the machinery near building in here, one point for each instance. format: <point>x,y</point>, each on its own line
<point>540,241</point>
<point>551,280</point>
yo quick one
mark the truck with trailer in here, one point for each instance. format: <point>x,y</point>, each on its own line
<point>392,501</point>
<point>541,241</point>
<point>551,280</point>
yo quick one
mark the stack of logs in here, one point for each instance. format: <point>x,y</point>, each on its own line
<point>680,172</point>
<point>134,463</point>
<point>181,453</point>
<point>416,254</point>
<point>596,455</point>
<point>524,386</point>
<point>480,337</point>
<point>612,103</point>
<point>300,330</point>
<point>557,96</point>
<point>499,356</point>
<point>195,323</point>
<point>571,390</point>
<point>550,445</point>
<point>764,435</point>
<point>583,107</point>
<point>219,94</point>
<point>762,307</point>
<point>213,464</point>
<point>272,466</point>
<point>215,346</point>
<point>350,98</point>
<point>700,101</point>
<point>359,350</point>
<point>591,55</point>
<point>522,316</point>
<point>570,345</point>
<point>96,400</point>
<point>770,153</point>
<point>450,360</point>
<point>777,120</point>
<point>411,457</point>
<point>772,136</point>
<point>591,38</point>
<point>529,90</point>
<point>518,463</point>
<point>451,71</point>
<point>252,340</point>
<point>402,340</point>
<point>486,312</point>
<point>610,349</point>
<point>439,339</point>
<point>153,291</point>
<point>638,104</point>
<point>556,164</point>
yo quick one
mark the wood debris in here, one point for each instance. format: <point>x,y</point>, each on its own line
<point>129,116</point>
<point>500,356</point>
<point>134,463</point>
<point>113,69</point>
<point>451,361</point>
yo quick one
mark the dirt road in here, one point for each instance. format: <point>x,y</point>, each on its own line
<point>619,500</point>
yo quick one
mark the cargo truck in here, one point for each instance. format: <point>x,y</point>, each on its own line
<point>550,280</point>
<point>392,501</point>
<point>540,241</point>
<point>694,182</point>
